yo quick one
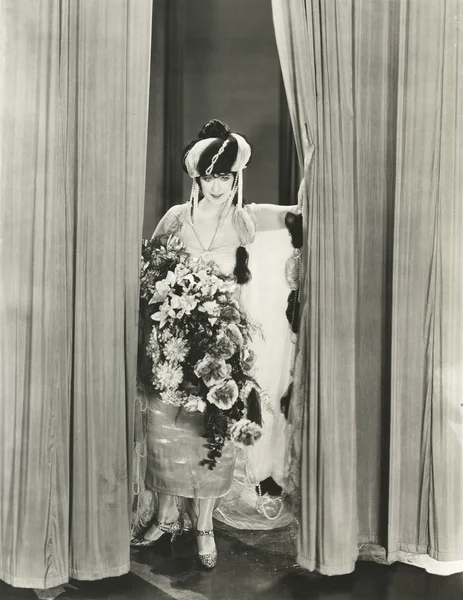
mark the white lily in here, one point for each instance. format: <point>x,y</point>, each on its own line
<point>210,307</point>
<point>165,311</point>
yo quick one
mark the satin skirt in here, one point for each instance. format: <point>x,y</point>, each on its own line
<point>175,449</point>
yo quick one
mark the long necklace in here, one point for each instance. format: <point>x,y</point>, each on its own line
<point>206,254</point>
<point>256,485</point>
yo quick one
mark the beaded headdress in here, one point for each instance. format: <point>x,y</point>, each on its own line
<point>207,155</point>
<point>242,158</point>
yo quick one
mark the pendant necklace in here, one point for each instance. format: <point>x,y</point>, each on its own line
<point>206,254</point>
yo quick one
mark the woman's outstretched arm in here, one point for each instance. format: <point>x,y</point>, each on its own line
<point>271,217</point>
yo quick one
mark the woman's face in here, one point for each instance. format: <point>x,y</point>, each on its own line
<point>217,188</point>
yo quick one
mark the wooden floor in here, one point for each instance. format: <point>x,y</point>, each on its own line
<point>252,566</point>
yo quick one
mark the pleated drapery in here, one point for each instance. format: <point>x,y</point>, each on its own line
<point>323,407</point>
<point>74,123</point>
<point>375,91</point>
<point>426,478</point>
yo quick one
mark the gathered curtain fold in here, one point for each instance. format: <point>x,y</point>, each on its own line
<point>375,93</point>
<point>322,412</point>
<point>74,112</point>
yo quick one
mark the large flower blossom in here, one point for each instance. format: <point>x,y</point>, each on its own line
<point>223,347</point>
<point>163,288</point>
<point>210,307</point>
<point>165,335</point>
<point>227,286</point>
<point>203,274</point>
<point>248,358</point>
<point>167,375</point>
<point>182,304</point>
<point>245,432</point>
<point>230,313</point>
<point>212,370</point>
<point>234,334</point>
<point>184,276</point>
<point>165,312</point>
<point>174,244</point>
<point>207,284</point>
<point>224,395</point>
<point>195,404</point>
<point>176,349</point>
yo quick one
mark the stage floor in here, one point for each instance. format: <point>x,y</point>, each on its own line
<point>252,566</point>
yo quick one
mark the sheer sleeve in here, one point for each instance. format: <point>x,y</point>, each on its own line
<point>172,220</point>
<point>270,217</point>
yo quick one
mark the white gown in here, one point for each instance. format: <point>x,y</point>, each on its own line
<point>265,298</point>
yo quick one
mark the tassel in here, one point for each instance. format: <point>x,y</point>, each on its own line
<point>292,310</point>
<point>239,202</point>
<point>244,225</point>
<point>241,272</point>
<point>286,400</point>
<point>253,409</point>
<point>194,199</point>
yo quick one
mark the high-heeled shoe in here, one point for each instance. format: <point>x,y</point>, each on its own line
<point>175,528</point>
<point>209,559</point>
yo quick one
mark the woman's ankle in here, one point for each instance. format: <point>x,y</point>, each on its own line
<point>204,525</point>
<point>168,515</point>
<point>167,510</point>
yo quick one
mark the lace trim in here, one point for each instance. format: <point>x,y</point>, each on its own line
<point>176,217</point>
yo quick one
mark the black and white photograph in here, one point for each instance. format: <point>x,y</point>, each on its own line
<point>231,299</point>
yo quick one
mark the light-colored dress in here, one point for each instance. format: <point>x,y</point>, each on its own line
<point>175,445</point>
<point>265,299</point>
<point>175,450</point>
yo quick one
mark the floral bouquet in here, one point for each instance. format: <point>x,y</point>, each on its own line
<point>197,348</point>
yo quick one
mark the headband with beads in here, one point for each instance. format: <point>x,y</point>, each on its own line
<point>242,158</point>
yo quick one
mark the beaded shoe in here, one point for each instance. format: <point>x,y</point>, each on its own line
<point>208,560</point>
<point>175,529</point>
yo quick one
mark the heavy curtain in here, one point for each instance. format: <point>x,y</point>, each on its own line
<point>74,80</point>
<point>375,92</point>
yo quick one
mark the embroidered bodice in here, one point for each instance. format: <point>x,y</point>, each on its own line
<point>223,251</point>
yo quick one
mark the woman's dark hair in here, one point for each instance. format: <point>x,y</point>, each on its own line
<point>217,129</point>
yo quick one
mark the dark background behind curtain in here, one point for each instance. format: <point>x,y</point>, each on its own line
<point>216,60</point>
<point>289,173</point>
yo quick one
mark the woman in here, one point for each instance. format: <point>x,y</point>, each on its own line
<point>216,228</point>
